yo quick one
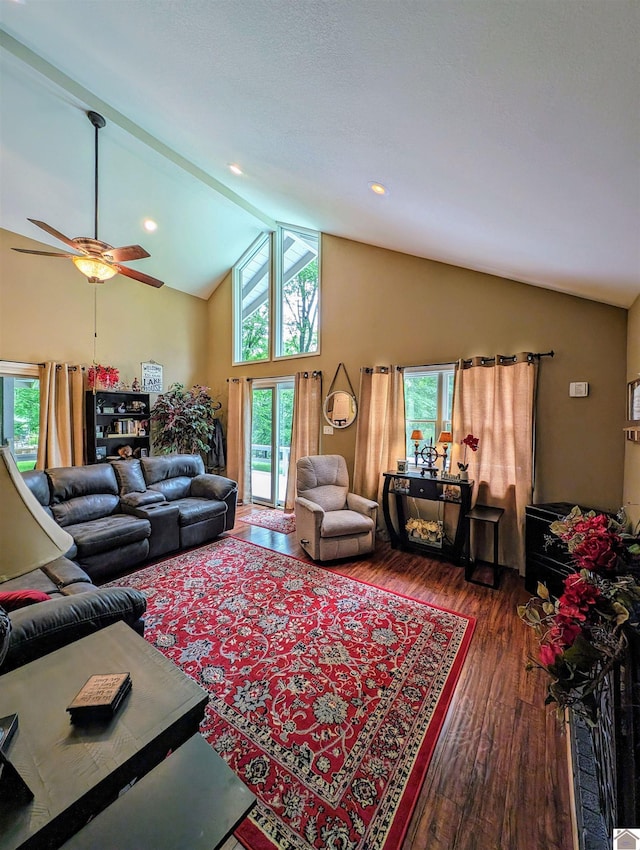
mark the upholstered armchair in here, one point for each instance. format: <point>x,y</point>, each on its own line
<point>331,522</point>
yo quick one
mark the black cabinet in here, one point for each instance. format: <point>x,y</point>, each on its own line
<point>547,557</point>
<point>114,420</point>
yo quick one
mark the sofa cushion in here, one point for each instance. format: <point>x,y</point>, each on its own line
<point>37,481</point>
<point>85,509</point>
<point>161,467</point>
<point>340,523</point>
<point>198,510</point>
<point>83,493</point>
<point>102,535</point>
<point>129,476</point>
<point>11,600</point>
<point>173,488</point>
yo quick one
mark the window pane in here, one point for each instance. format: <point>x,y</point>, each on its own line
<point>428,397</point>
<point>298,292</point>
<point>252,281</point>
<point>20,419</point>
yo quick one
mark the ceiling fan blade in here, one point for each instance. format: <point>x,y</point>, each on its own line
<point>125,254</point>
<point>53,232</point>
<point>136,275</point>
<point>44,253</point>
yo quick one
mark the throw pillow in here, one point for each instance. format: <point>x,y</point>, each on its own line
<point>10,600</point>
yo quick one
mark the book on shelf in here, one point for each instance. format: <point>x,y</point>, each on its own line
<point>100,697</point>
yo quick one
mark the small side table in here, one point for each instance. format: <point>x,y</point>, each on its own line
<point>485,513</point>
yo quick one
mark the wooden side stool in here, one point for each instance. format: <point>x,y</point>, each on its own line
<point>485,513</point>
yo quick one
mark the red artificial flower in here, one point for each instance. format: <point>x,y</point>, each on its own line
<point>598,551</point>
<point>549,652</point>
<point>472,442</point>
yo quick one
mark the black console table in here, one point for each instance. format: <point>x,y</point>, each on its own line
<point>401,485</point>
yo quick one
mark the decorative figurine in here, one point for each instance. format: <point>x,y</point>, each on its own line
<point>135,386</point>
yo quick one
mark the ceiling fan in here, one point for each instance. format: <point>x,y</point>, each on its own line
<point>97,260</point>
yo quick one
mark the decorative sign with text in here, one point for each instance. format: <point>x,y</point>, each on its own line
<point>151,377</point>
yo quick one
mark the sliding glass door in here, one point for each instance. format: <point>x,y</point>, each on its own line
<point>272,412</point>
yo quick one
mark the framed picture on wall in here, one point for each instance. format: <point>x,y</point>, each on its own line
<point>151,377</point>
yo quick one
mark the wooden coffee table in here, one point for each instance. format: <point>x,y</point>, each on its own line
<point>76,771</point>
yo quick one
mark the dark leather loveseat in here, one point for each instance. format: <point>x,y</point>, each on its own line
<point>122,513</point>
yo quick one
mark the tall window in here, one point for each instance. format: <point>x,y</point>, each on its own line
<point>428,398</point>
<point>297,292</point>
<point>291,307</point>
<point>252,291</point>
<point>20,412</point>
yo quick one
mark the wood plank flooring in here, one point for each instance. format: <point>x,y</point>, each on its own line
<point>498,777</point>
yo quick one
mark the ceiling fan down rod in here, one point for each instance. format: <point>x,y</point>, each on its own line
<point>98,122</point>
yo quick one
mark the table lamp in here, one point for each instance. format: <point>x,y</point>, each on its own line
<point>417,437</point>
<point>445,438</point>
<point>29,537</point>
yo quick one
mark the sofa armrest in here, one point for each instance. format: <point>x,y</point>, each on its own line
<point>46,626</point>
<point>362,506</point>
<point>211,486</point>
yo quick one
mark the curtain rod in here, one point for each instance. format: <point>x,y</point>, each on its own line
<point>20,362</point>
<point>509,359</point>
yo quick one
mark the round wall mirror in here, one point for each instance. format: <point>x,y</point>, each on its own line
<point>340,409</point>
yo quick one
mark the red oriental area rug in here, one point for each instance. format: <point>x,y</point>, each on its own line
<point>272,519</point>
<point>327,695</point>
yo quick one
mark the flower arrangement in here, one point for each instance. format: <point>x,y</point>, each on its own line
<point>582,633</point>
<point>470,442</point>
<point>102,377</point>
<point>427,530</point>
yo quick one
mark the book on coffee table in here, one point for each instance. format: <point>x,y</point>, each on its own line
<point>99,697</point>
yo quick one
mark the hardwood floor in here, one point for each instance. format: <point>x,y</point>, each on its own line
<point>498,776</point>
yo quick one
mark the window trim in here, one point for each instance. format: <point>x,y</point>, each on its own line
<point>440,369</point>
<point>236,326</point>
<point>277,290</point>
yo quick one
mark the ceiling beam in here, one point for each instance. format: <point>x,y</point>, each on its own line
<point>24,54</point>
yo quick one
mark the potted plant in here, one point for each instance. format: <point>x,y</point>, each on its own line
<point>183,420</point>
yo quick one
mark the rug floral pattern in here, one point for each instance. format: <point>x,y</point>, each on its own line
<point>271,519</point>
<point>326,694</point>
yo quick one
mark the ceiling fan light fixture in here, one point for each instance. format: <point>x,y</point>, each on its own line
<point>94,269</point>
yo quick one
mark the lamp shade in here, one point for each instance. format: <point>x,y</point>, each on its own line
<point>445,437</point>
<point>417,435</point>
<point>29,537</point>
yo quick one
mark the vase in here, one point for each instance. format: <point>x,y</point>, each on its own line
<point>464,475</point>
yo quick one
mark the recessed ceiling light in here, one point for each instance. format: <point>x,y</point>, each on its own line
<point>235,168</point>
<point>378,188</point>
<point>149,225</point>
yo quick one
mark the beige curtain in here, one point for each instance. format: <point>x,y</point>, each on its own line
<point>239,437</point>
<point>494,399</point>
<point>61,440</point>
<point>380,437</point>
<point>305,429</point>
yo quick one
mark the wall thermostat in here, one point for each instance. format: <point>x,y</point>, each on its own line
<point>579,389</point>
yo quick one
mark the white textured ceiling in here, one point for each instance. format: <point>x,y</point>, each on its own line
<point>508,133</point>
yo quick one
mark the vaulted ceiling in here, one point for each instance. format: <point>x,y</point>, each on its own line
<point>506,133</point>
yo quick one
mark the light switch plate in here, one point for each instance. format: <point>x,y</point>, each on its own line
<point>578,389</point>
<point>327,429</point>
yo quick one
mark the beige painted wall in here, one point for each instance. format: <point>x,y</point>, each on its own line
<point>383,307</point>
<point>46,313</point>
<point>632,453</point>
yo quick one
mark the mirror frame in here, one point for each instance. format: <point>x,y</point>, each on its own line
<point>353,403</point>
